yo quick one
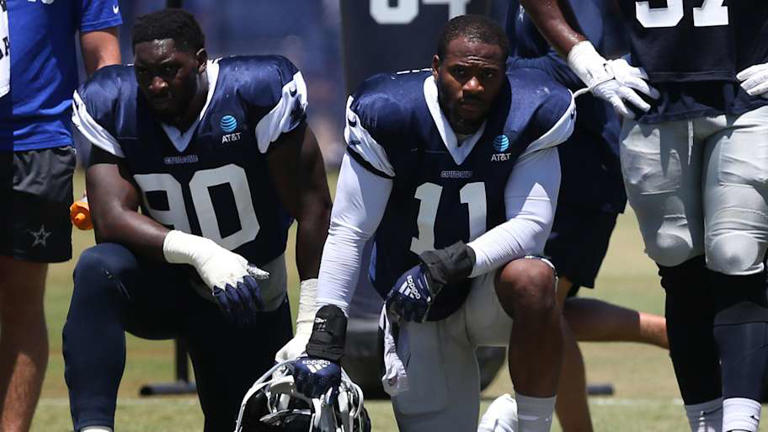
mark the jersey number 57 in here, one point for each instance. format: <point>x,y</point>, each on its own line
<point>711,13</point>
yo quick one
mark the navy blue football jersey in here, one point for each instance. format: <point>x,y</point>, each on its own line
<point>691,40</point>
<point>444,192</point>
<point>692,51</point>
<point>213,179</point>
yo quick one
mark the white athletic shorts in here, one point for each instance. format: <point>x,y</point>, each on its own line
<point>440,361</point>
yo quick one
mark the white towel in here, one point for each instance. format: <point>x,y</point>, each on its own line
<point>5,52</point>
<point>395,379</point>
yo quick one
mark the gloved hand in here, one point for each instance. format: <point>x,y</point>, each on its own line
<point>614,81</point>
<point>319,374</point>
<point>316,377</point>
<point>754,80</point>
<point>295,347</point>
<point>229,276</point>
<point>412,295</point>
<point>415,290</point>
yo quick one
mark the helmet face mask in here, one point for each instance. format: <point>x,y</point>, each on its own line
<point>273,405</point>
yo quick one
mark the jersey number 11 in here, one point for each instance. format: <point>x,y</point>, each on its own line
<point>471,194</point>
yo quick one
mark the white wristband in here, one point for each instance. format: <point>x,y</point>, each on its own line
<point>182,248</point>
<point>305,317</point>
<point>588,64</point>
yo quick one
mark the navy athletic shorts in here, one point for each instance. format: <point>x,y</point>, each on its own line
<point>578,243</point>
<point>35,195</point>
<point>116,292</point>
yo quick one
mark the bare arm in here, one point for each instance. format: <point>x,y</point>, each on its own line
<point>114,201</point>
<point>556,22</point>
<point>100,48</point>
<point>297,170</point>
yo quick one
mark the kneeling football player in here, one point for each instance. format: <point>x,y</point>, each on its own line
<point>218,156</point>
<point>454,172</point>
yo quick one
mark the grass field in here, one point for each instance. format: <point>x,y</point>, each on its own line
<point>646,396</point>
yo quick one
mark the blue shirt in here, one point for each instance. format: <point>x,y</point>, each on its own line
<point>36,112</point>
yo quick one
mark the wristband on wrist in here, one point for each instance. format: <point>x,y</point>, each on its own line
<point>449,265</point>
<point>329,334</point>
<point>307,306</point>
<point>182,248</point>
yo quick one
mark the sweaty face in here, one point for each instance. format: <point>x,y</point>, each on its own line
<point>468,79</point>
<point>167,76</point>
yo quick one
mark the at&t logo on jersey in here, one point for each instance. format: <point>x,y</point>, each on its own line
<point>228,124</point>
<point>501,145</point>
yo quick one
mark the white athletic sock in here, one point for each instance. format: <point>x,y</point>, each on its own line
<point>534,414</point>
<point>501,416</point>
<point>96,429</point>
<point>741,414</point>
<point>705,416</point>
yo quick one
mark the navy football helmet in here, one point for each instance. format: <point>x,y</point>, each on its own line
<point>273,405</point>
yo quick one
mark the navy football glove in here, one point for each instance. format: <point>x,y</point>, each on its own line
<point>229,277</point>
<point>412,295</point>
<point>320,372</point>
<point>241,302</point>
<point>416,289</point>
<point>316,377</point>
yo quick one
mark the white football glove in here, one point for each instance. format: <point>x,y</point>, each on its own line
<point>613,81</point>
<point>229,276</point>
<point>304,321</point>
<point>754,80</point>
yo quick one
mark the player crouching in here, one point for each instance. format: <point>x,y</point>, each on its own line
<point>455,174</point>
<point>219,151</point>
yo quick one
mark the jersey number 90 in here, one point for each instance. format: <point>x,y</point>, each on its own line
<point>176,214</point>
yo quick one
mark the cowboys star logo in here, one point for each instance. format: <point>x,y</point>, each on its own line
<point>41,236</point>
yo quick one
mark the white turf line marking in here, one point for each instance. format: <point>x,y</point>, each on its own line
<point>180,401</point>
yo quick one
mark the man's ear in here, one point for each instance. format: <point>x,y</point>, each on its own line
<point>202,60</point>
<point>435,65</point>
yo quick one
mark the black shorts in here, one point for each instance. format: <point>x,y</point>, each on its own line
<point>35,195</point>
<point>578,243</point>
